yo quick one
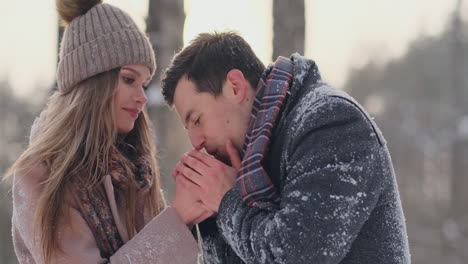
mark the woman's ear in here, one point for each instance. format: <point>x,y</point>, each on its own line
<point>237,85</point>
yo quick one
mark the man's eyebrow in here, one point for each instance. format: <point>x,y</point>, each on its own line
<point>187,117</point>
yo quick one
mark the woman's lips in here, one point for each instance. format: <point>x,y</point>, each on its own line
<point>133,112</point>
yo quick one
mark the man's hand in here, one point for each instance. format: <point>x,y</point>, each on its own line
<point>187,205</point>
<point>207,177</point>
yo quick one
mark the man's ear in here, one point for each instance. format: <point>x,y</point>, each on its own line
<point>237,85</point>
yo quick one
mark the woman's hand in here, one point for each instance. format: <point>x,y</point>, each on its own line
<point>186,204</point>
<point>208,178</point>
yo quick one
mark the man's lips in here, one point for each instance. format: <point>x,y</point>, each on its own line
<point>217,155</point>
<point>132,111</point>
<point>212,152</point>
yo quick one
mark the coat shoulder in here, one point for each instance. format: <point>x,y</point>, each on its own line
<point>32,175</point>
<point>321,103</point>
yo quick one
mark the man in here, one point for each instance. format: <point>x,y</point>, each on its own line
<point>296,171</point>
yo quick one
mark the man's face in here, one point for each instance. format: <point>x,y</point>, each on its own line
<point>210,121</point>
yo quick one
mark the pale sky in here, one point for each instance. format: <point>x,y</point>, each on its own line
<point>339,34</point>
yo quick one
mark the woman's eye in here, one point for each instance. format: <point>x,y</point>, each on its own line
<point>197,121</point>
<point>128,80</point>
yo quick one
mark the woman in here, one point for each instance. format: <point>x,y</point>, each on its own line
<point>86,190</point>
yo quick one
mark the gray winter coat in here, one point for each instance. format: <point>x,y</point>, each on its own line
<point>339,196</point>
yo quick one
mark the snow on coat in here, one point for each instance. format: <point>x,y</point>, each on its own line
<point>339,196</point>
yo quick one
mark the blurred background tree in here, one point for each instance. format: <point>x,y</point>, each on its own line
<point>288,28</point>
<point>165,26</point>
<point>420,102</point>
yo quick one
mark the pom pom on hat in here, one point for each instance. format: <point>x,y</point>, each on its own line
<point>69,9</point>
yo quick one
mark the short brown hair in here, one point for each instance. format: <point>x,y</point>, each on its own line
<point>207,60</point>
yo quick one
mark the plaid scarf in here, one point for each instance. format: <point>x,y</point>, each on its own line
<point>95,209</point>
<point>253,182</point>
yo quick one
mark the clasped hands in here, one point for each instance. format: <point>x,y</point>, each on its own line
<point>201,183</point>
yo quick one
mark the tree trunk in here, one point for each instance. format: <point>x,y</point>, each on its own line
<point>288,27</point>
<point>165,24</point>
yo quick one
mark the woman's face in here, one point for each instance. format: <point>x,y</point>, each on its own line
<point>130,97</point>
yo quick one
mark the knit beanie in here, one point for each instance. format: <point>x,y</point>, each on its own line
<point>99,37</point>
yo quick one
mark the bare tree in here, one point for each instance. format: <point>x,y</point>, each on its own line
<point>165,24</point>
<point>458,228</point>
<point>288,27</point>
<point>458,81</point>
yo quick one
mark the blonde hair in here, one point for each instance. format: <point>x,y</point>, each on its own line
<point>75,137</point>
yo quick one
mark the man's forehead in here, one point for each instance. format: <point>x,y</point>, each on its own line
<point>183,92</point>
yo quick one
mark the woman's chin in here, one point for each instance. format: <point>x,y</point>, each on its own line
<point>125,129</point>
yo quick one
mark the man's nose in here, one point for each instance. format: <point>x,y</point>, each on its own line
<point>197,140</point>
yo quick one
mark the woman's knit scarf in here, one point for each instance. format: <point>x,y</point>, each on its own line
<point>96,210</point>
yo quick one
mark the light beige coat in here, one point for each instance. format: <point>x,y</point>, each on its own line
<point>164,239</point>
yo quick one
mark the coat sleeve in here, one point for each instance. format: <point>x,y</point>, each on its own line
<point>330,187</point>
<point>165,239</point>
<point>214,247</point>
